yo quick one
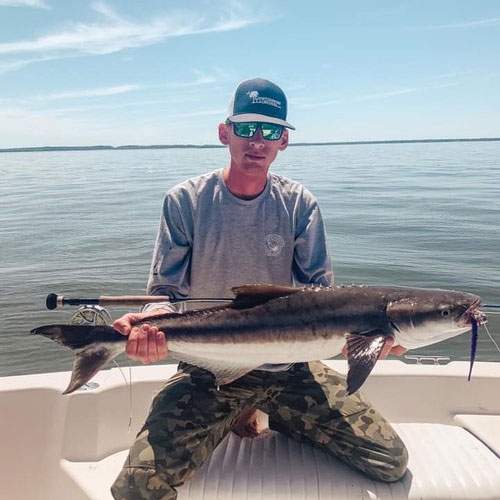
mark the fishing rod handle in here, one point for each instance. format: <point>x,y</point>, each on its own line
<point>53,300</point>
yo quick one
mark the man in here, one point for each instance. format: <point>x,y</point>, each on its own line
<point>236,226</point>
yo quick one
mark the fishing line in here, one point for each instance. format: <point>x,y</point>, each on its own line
<point>491,338</point>
<point>129,384</point>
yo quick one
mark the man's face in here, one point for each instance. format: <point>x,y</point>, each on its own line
<point>253,155</point>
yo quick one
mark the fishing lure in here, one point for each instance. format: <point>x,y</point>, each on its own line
<point>476,318</point>
<point>473,344</point>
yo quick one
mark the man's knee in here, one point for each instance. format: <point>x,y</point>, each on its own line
<point>391,466</point>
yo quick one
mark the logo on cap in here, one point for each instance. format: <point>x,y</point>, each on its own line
<point>254,95</point>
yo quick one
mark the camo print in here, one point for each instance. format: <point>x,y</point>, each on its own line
<point>190,416</point>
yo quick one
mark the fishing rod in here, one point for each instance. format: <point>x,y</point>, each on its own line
<point>53,301</point>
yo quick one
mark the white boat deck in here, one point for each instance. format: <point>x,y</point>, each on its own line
<point>58,447</point>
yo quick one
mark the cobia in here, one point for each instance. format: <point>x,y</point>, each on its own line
<point>268,324</point>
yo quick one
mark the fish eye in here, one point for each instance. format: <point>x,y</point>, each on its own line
<point>445,313</point>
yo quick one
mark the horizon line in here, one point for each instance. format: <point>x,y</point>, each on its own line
<point>211,146</point>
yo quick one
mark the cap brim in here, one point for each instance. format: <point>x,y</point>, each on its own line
<point>254,117</point>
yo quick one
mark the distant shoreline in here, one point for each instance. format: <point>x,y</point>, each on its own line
<point>212,146</point>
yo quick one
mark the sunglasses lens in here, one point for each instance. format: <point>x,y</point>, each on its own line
<point>245,129</point>
<point>271,132</point>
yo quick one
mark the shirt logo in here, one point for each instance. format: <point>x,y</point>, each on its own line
<point>273,244</point>
<point>254,96</point>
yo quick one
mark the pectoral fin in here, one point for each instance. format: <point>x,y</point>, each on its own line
<point>363,351</point>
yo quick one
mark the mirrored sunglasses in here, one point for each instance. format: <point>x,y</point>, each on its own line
<point>270,131</point>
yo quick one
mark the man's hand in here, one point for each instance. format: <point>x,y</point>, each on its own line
<point>145,343</point>
<point>389,348</point>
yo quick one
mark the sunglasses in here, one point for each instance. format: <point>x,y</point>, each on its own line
<point>270,131</point>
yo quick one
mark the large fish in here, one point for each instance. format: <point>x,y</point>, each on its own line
<point>278,324</point>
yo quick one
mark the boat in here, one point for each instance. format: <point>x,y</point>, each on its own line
<point>57,447</point>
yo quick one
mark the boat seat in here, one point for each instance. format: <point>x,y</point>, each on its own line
<point>484,427</point>
<point>446,461</point>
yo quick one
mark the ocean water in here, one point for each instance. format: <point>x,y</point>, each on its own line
<point>84,223</point>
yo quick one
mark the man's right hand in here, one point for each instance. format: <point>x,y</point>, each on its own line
<point>145,342</point>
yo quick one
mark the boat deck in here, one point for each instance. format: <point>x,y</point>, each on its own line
<point>74,446</point>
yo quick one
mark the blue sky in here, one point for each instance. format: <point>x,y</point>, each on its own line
<point>74,72</point>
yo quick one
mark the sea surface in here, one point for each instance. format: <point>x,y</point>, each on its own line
<point>84,223</point>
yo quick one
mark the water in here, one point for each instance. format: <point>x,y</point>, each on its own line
<point>84,223</point>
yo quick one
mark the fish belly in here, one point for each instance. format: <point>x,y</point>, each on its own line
<point>259,352</point>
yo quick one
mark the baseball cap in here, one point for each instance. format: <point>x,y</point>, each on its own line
<point>258,100</point>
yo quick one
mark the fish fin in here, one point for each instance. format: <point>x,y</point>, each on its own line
<point>87,363</point>
<point>224,372</point>
<point>363,351</point>
<point>254,295</point>
<point>77,336</point>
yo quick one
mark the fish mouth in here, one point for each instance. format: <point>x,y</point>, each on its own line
<point>473,314</point>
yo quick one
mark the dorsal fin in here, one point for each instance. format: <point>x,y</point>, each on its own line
<point>253,295</point>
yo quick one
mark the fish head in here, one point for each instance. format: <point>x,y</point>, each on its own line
<point>424,317</point>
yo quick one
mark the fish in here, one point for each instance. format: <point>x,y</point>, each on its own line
<point>270,324</point>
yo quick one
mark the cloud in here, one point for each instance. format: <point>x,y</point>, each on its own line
<point>40,4</point>
<point>116,34</point>
<point>482,23</point>
<point>304,104</point>
<point>24,127</point>
<point>122,89</point>
<point>317,104</point>
<point>197,114</point>
<point>384,95</point>
<point>16,65</point>
<point>97,92</point>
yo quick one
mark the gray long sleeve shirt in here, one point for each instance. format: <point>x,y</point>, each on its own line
<point>210,240</point>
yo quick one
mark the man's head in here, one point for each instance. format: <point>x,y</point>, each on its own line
<point>256,127</point>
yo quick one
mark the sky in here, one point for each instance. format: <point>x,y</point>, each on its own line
<point>79,73</point>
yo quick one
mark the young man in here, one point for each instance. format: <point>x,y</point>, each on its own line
<point>242,225</point>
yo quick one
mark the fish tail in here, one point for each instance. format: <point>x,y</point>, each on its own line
<point>77,336</point>
<point>94,346</point>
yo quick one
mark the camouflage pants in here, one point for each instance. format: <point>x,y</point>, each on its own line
<point>189,417</point>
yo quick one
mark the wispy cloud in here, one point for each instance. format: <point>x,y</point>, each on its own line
<point>40,4</point>
<point>385,95</point>
<point>96,92</point>
<point>116,33</point>
<point>21,126</point>
<point>201,80</point>
<point>16,65</point>
<point>482,23</point>
<point>299,103</point>
<point>209,112</point>
<point>398,92</point>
